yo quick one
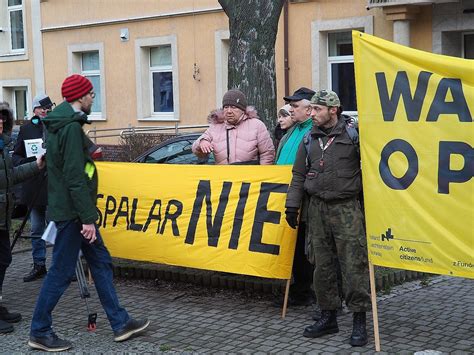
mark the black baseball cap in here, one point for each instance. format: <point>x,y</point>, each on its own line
<point>300,94</point>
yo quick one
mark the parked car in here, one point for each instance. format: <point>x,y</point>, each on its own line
<point>176,150</point>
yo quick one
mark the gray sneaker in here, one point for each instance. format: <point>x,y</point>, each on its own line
<point>50,343</point>
<point>131,327</point>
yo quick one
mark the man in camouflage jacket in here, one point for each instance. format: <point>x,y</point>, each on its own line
<point>327,168</point>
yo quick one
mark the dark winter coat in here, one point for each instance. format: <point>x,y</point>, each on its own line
<point>10,176</point>
<point>72,176</point>
<point>37,185</point>
<point>339,179</point>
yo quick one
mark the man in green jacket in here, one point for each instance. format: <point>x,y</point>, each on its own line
<point>300,110</point>
<point>72,195</point>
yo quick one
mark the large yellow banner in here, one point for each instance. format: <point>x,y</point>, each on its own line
<point>417,137</point>
<point>223,218</point>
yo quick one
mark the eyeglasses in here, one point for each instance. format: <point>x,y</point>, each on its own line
<point>92,94</point>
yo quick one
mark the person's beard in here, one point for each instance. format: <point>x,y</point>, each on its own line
<point>87,110</point>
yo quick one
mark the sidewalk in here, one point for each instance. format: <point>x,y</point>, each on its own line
<point>186,319</point>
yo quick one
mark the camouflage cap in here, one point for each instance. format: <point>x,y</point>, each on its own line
<point>326,98</point>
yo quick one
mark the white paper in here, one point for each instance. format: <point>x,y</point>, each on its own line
<point>34,147</point>
<point>49,234</point>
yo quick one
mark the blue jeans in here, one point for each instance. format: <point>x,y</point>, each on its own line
<point>38,245</point>
<point>69,241</point>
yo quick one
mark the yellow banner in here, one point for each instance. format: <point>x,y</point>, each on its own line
<point>223,218</point>
<point>417,137</point>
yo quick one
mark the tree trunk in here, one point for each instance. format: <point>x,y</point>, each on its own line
<point>253,26</point>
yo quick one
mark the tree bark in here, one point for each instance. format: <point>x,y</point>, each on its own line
<point>253,26</point>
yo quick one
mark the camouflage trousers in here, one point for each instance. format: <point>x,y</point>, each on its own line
<point>336,233</point>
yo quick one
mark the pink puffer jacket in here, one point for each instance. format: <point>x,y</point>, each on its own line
<point>249,140</point>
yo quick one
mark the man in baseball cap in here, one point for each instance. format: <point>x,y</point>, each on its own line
<point>72,188</point>
<point>34,193</point>
<point>300,110</point>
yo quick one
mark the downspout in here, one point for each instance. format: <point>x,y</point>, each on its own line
<point>285,48</point>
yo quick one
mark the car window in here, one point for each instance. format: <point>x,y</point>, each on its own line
<point>177,152</point>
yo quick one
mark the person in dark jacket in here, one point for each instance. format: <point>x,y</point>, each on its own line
<point>9,176</point>
<point>72,197</point>
<point>327,168</point>
<point>300,109</point>
<point>34,191</point>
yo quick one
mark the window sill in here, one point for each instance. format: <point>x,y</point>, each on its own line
<point>168,118</point>
<point>95,118</point>
<point>11,57</point>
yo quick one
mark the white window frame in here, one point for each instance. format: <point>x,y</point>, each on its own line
<point>144,83</point>
<point>11,9</point>
<point>222,60</point>
<point>7,93</point>
<point>6,53</point>
<point>75,52</point>
<point>94,114</point>
<point>340,59</point>
<point>321,74</point>
<point>159,69</point>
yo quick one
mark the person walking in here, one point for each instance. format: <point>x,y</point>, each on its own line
<point>327,168</point>
<point>241,139</point>
<point>72,197</point>
<point>34,191</point>
<point>9,175</point>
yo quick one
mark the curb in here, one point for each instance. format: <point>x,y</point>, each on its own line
<point>385,278</point>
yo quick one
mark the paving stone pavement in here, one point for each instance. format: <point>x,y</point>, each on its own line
<point>412,318</point>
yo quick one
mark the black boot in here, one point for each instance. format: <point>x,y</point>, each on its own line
<point>327,324</point>
<point>9,317</point>
<point>36,273</point>
<point>5,327</point>
<point>359,331</point>
<point>317,313</point>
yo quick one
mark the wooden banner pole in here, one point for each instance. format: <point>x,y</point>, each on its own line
<point>285,300</point>
<point>375,317</point>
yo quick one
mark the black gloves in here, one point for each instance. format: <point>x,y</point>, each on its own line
<point>292,217</point>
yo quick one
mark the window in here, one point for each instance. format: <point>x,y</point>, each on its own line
<point>332,56</point>
<point>157,80</point>
<point>12,34</point>
<point>17,92</point>
<point>87,59</point>
<point>222,47</point>
<point>15,24</point>
<point>161,79</point>
<point>341,68</point>
<point>468,46</point>
<point>20,109</point>
<point>90,68</point>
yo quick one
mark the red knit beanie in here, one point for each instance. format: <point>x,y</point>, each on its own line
<point>75,86</point>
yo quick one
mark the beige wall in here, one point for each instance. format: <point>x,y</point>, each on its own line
<point>421,31</point>
<point>101,21</point>
<point>67,12</point>
<point>195,38</point>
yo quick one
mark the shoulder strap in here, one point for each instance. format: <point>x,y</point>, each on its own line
<point>352,130</point>
<point>307,139</point>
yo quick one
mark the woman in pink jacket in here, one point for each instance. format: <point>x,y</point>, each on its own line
<point>241,138</point>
